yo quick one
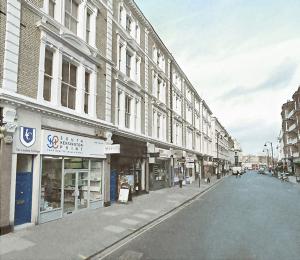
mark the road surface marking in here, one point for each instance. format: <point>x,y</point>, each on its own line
<point>130,221</point>
<point>115,229</point>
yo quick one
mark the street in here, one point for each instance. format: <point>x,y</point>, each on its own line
<point>252,217</point>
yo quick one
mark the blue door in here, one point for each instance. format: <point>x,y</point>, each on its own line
<point>113,185</point>
<point>23,197</point>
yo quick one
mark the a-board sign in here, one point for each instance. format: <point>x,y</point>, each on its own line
<point>123,195</point>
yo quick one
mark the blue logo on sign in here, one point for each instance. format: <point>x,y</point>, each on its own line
<point>27,136</point>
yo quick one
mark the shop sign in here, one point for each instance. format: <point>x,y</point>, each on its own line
<point>189,160</point>
<point>153,155</point>
<point>189,165</point>
<point>152,160</point>
<point>112,149</point>
<point>27,136</point>
<point>56,143</point>
<point>163,153</point>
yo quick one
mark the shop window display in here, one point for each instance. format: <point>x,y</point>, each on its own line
<point>51,183</point>
<point>96,180</point>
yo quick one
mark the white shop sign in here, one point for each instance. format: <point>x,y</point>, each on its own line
<point>56,143</point>
<point>112,149</point>
<point>190,165</point>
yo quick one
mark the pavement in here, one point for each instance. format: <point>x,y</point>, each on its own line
<point>87,232</point>
<point>254,217</point>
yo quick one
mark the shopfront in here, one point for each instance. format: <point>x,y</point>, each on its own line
<point>159,167</point>
<point>72,172</point>
<point>128,167</point>
<point>190,164</point>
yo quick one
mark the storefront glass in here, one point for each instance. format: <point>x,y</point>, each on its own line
<point>159,174</point>
<point>96,180</point>
<point>82,182</point>
<point>51,183</point>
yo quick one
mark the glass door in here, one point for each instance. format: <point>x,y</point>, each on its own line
<point>70,192</point>
<point>83,184</point>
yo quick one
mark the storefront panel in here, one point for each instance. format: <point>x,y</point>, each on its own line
<point>69,184</point>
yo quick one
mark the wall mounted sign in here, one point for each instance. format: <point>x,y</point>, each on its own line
<point>56,143</point>
<point>112,149</point>
<point>27,136</point>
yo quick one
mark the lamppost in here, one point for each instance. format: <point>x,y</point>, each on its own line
<point>218,163</point>
<point>272,155</point>
<point>268,156</point>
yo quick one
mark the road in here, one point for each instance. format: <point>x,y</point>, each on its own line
<point>252,217</point>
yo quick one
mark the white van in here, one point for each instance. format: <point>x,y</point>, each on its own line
<point>237,170</point>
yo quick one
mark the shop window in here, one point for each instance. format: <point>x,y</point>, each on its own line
<point>96,180</point>
<point>76,163</point>
<point>51,183</point>
<point>86,92</point>
<point>48,74</point>
<point>68,86</point>
<point>71,15</point>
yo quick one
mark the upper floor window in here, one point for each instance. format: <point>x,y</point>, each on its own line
<point>119,106</point>
<point>68,84</point>
<point>86,92</point>
<point>51,8</point>
<point>127,111</point>
<point>158,125</point>
<point>48,74</point>
<point>120,14</point>
<point>128,63</point>
<point>88,27</point>
<point>71,15</point>
<point>128,24</point>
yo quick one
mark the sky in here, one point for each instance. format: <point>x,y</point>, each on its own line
<point>243,58</point>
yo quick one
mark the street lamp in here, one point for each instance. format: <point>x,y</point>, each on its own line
<point>268,155</point>
<point>272,155</point>
<point>218,163</point>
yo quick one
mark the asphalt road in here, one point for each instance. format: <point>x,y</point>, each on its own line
<point>252,217</point>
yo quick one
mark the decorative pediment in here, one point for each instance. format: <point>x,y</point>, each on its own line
<point>76,43</point>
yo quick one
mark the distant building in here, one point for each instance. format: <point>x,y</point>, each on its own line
<point>289,141</point>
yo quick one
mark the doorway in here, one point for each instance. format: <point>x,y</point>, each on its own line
<point>23,196</point>
<point>76,192</point>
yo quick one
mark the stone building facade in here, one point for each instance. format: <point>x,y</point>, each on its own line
<point>91,98</point>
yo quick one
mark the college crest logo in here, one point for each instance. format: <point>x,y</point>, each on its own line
<point>27,136</point>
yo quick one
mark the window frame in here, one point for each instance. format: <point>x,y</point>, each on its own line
<point>68,84</point>
<point>46,75</point>
<point>87,81</point>
<point>69,14</point>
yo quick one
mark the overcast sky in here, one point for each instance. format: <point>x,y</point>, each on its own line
<point>242,56</point>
